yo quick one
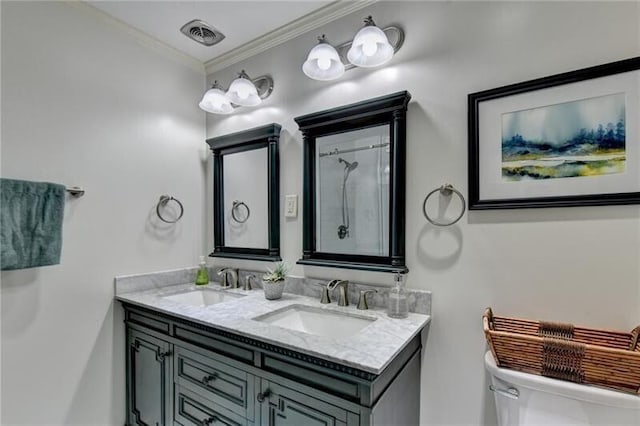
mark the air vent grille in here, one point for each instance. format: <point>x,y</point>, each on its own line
<point>202,32</point>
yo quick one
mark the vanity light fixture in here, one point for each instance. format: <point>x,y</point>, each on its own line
<point>243,91</point>
<point>323,62</point>
<point>371,47</point>
<point>215,101</point>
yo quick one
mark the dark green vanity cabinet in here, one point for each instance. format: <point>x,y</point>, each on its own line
<point>183,373</point>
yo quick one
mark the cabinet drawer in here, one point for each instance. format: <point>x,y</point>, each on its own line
<point>213,343</point>
<point>154,322</point>
<point>193,410</point>
<point>227,386</point>
<point>345,387</point>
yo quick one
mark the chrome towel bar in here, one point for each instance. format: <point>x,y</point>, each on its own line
<point>75,191</point>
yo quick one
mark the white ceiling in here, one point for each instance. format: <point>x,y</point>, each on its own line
<point>239,21</point>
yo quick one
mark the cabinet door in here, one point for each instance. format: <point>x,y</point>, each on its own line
<point>281,406</point>
<point>148,380</point>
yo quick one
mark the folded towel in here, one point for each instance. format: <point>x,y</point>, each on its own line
<point>31,216</point>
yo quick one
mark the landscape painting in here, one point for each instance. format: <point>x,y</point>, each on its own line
<point>568,140</point>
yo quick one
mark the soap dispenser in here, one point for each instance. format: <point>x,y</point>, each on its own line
<point>398,305</point>
<point>202,276</point>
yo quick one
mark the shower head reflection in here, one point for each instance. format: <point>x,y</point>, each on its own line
<point>343,230</point>
<point>348,167</point>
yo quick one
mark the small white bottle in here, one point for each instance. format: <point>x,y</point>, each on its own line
<point>398,305</point>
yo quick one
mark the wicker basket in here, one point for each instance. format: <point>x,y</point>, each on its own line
<point>610,359</point>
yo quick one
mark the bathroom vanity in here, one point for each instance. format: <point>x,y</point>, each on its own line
<point>235,362</point>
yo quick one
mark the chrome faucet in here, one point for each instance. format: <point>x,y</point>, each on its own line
<point>324,298</point>
<point>234,277</point>
<point>247,282</point>
<point>343,291</point>
<point>362,303</point>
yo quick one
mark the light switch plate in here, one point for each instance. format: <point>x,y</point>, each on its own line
<point>291,205</point>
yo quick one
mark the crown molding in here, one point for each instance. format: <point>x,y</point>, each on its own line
<point>141,37</point>
<point>300,26</point>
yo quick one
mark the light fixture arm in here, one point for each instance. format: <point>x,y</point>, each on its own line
<point>243,74</point>
<point>368,21</point>
<point>264,85</point>
<point>216,85</point>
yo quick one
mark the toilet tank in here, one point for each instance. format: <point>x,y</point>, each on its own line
<point>528,400</point>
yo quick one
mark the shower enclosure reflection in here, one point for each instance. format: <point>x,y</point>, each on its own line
<point>353,192</point>
<point>353,206</point>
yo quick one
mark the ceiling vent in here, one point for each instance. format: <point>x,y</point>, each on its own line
<point>202,32</point>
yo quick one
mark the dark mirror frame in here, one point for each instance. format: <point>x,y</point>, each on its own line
<point>391,110</point>
<point>260,137</point>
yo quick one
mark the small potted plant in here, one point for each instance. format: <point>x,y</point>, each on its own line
<point>273,281</point>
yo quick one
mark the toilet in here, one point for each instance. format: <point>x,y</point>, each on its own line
<point>529,400</point>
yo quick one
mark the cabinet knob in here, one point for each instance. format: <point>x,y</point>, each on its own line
<point>207,422</point>
<point>207,379</point>
<point>263,395</point>
<point>162,355</point>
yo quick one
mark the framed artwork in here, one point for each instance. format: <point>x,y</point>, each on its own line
<point>566,140</point>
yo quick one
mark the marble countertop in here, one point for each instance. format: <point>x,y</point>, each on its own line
<point>371,349</point>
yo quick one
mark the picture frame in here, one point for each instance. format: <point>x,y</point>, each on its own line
<point>571,139</point>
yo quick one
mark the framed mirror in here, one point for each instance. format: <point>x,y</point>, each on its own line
<point>246,218</point>
<point>354,185</point>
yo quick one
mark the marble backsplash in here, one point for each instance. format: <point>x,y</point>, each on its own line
<point>419,300</point>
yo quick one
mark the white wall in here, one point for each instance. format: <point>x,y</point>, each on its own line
<point>573,264</point>
<point>86,103</point>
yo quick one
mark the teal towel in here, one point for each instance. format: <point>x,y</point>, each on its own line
<point>30,223</point>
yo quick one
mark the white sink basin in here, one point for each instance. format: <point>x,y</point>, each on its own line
<point>316,321</point>
<point>203,297</point>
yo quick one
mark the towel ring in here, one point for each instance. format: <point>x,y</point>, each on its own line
<point>164,199</point>
<point>237,204</point>
<point>447,190</point>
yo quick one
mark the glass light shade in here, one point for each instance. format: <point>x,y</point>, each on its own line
<point>370,48</point>
<point>323,63</point>
<point>216,102</point>
<point>243,92</point>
